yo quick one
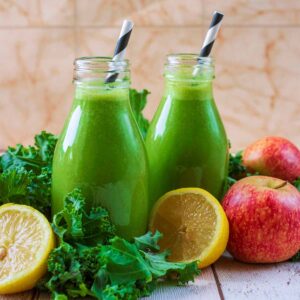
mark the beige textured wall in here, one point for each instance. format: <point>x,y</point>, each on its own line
<point>257,56</point>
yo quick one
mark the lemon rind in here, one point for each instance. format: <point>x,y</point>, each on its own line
<point>222,226</point>
<point>27,278</point>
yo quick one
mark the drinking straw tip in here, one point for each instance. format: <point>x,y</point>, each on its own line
<point>219,13</point>
<point>127,21</point>
<point>211,34</point>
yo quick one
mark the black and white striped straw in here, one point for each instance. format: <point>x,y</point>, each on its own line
<point>211,34</point>
<point>120,49</point>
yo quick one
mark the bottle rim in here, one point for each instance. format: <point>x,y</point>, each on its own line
<point>99,68</point>
<point>100,63</point>
<point>188,59</point>
<point>189,67</point>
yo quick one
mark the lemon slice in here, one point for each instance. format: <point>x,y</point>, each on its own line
<point>26,239</point>
<point>193,224</point>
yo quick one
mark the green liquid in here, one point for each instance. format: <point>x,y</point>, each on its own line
<point>101,151</point>
<point>186,143</point>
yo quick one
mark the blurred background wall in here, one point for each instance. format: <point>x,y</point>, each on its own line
<point>257,86</point>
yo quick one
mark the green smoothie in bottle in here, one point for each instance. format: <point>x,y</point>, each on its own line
<point>186,142</point>
<point>100,149</point>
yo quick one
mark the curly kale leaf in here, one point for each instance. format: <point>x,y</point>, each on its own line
<point>138,267</point>
<point>296,257</point>
<point>124,262</point>
<point>74,225</point>
<point>296,183</point>
<point>25,173</point>
<point>236,169</point>
<point>92,261</point>
<point>13,186</point>
<point>148,241</point>
<point>31,158</point>
<point>138,101</point>
<point>45,144</point>
<point>69,269</point>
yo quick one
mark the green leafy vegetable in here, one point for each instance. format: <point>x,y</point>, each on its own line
<point>148,241</point>
<point>296,257</point>
<point>74,224</point>
<point>236,170</point>
<point>138,101</point>
<point>92,261</point>
<point>25,173</point>
<point>13,185</point>
<point>296,183</point>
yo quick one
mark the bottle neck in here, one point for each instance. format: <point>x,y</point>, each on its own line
<point>97,75</point>
<point>83,93</point>
<point>185,91</point>
<point>189,77</point>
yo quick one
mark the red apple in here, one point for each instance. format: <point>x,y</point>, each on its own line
<point>273,156</point>
<point>264,219</point>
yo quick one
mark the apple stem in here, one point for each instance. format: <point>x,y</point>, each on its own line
<point>280,185</point>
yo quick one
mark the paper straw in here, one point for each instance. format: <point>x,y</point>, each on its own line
<point>211,34</point>
<point>121,46</point>
<point>210,37</point>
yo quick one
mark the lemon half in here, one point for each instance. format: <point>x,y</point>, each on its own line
<point>26,240</point>
<point>194,225</point>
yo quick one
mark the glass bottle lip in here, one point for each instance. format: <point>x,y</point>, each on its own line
<point>189,67</point>
<point>189,59</point>
<point>100,63</point>
<point>99,68</point>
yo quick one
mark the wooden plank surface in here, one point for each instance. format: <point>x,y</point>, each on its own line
<point>21,296</point>
<point>42,296</point>
<point>227,279</point>
<point>258,281</point>
<point>204,287</point>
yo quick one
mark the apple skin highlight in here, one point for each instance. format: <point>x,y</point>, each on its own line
<point>273,156</point>
<point>264,219</point>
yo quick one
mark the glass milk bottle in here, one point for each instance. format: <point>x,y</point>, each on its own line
<point>186,143</point>
<point>100,149</point>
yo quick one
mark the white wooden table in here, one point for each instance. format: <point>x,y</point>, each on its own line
<point>226,279</point>
<point>231,280</point>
